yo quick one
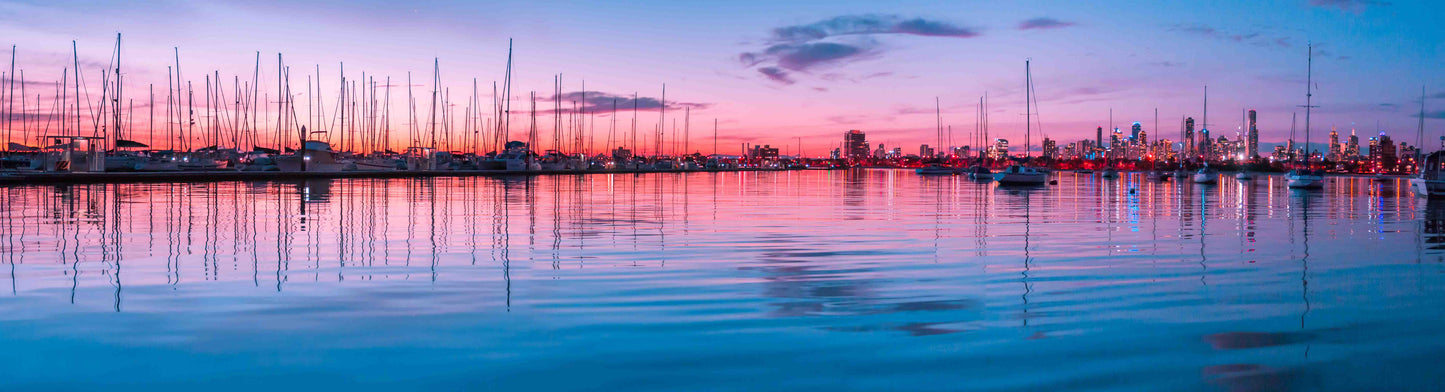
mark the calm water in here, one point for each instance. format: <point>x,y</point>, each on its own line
<point>862,280</point>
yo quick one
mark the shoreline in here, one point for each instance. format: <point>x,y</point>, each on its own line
<point>32,178</point>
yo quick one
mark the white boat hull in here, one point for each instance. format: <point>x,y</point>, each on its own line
<point>1201,178</point>
<point>157,166</point>
<point>1305,182</point>
<point>1427,188</point>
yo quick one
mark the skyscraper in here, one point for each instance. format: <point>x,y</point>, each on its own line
<point>1190,150</point>
<point>1252,149</point>
<point>1334,144</point>
<point>855,144</point>
<point>1099,138</point>
<point>1352,149</point>
<point>1134,131</point>
<point>1204,144</point>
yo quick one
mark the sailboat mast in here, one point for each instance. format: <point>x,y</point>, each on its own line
<point>1028,125</point>
<point>1309,95</point>
<point>1420,132</point>
<point>116,101</point>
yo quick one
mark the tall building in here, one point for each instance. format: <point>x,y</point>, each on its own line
<point>1134,130</point>
<point>1352,148</point>
<point>855,144</point>
<point>1116,146</point>
<point>1000,149</point>
<point>1335,148</point>
<point>1051,149</point>
<point>1387,156</point>
<point>925,151</point>
<point>1099,138</point>
<point>1205,149</point>
<point>1141,144</point>
<point>1190,150</point>
<point>881,152</point>
<point>1252,142</point>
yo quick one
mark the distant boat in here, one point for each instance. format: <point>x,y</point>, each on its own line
<point>1304,179</point>
<point>1243,176</point>
<point>1161,175</point>
<point>979,173</point>
<point>1181,173</point>
<point>1019,175</point>
<point>1109,173</point>
<point>1085,171</point>
<point>315,156</point>
<point>1206,175</point>
<point>935,170</point>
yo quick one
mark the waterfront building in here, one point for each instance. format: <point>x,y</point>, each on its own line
<point>1252,139</point>
<point>1000,149</point>
<point>1387,155</point>
<point>1335,148</point>
<point>1352,149</point>
<point>764,152</point>
<point>1051,149</point>
<point>925,151</point>
<point>1190,150</point>
<point>855,143</point>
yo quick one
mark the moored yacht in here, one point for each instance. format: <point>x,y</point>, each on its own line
<point>1304,179</point>
<point>1020,175</point>
<point>1430,182</point>
<point>315,156</point>
<point>1206,175</point>
<point>935,170</point>
<point>979,173</point>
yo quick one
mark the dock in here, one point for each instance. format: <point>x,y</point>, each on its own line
<point>8,178</point>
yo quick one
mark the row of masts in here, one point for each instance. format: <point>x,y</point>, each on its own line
<point>240,115</point>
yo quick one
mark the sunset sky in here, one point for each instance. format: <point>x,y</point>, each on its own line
<point>774,71</point>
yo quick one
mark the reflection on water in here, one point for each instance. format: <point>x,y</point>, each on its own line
<point>862,279</point>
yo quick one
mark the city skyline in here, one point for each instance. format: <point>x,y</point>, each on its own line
<point>774,73</point>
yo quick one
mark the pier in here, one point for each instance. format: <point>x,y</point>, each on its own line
<point>26,178</point>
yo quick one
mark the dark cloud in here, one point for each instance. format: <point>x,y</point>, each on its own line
<point>837,41</point>
<point>1256,38</point>
<point>600,102</point>
<point>1197,29</point>
<point>1349,5</point>
<point>1167,64</point>
<point>869,24</point>
<point>1389,107</point>
<point>804,56</point>
<point>1438,95</point>
<point>776,75</point>
<point>1043,23</point>
<point>1438,114</point>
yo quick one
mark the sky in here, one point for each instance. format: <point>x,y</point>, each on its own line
<point>792,73</point>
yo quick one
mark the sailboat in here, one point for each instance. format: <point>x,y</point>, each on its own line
<point>1430,181</point>
<point>1206,175</point>
<point>1017,174</point>
<point>1306,178</point>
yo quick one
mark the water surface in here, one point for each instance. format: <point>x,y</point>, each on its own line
<point>811,280</point>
